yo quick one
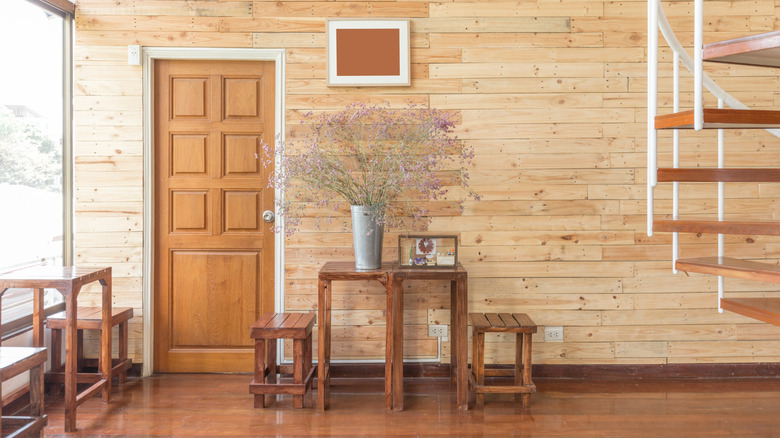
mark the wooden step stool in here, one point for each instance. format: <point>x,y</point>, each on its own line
<point>524,328</point>
<point>265,332</point>
<point>89,318</point>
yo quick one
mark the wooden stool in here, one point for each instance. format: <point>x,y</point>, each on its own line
<point>89,318</point>
<point>265,332</point>
<point>524,327</point>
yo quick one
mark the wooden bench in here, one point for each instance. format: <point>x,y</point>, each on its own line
<point>266,331</point>
<point>524,328</point>
<point>89,318</point>
<point>15,361</point>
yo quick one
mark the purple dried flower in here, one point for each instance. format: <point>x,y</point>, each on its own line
<point>370,155</point>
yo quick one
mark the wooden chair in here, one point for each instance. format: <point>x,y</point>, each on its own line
<point>89,318</point>
<point>524,328</point>
<point>265,332</point>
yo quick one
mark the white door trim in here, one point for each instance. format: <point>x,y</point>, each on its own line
<point>149,55</point>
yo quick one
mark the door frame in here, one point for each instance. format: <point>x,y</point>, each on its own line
<point>197,53</point>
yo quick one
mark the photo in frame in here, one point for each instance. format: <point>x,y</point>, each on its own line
<point>368,53</point>
<point>428,251</point>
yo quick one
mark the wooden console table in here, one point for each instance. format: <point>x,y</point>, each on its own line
<point>68,281</point>
<point>392,277</point>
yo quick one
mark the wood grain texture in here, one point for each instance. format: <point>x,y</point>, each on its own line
<point>68,281</point>
<point>725,227</point>
<point>730,267</point>
<point>757,50</point>
<point>565,407</point>
<point>714,175</point>
<point>721,118</point>
<point>552,96</point>
<point>762,309</point>
<point>523,328</point>
<point>14,361</point>
<point>214,252</point>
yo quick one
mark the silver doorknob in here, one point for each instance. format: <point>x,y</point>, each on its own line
<point>268,216</point>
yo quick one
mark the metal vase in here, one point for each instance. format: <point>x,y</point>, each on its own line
<point>367,233</point>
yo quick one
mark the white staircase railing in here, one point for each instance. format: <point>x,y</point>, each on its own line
<point>656,19</point>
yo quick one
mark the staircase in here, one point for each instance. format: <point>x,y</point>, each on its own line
<point>758,50</point>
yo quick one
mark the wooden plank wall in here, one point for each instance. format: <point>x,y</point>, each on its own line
<point>550,93</point>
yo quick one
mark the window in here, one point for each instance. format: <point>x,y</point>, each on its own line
<point>34,101</point>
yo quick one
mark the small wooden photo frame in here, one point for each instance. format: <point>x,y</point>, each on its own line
<point>428,251</point>
<point>368,53</point>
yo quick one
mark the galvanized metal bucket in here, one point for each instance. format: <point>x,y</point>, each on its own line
<point>367,233</point>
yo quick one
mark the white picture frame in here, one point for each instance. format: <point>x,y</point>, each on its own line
<point>368,52</point>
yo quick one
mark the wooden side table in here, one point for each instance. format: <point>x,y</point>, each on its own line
<point>68,281</point>
<point>345,271</point>
<point>458,278</point>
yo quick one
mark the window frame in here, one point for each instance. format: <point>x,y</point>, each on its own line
<point>19,322</point>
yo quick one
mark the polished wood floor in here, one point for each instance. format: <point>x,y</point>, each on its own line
<point>220,405</point>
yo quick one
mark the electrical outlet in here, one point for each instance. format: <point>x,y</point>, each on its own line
<point>553,334</point>
<point>437,331</point>
<point>134,55</point>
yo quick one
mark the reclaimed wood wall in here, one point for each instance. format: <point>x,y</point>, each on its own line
<point>550,93</point>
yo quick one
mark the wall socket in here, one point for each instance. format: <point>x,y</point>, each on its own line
<point>437,331</point>
<point>553,334</point>
<point>134,55</point>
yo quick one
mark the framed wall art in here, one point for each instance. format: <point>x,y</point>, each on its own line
<point>368,53</point>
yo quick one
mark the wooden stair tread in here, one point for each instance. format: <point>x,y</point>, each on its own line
<point>717,227</point>
<point>715,118</point>
<point>762,309</point>
<point>761,50</point>
<point>730,267</point>
<point>708,174</point>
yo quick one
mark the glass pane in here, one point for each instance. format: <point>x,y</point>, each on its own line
<point>31,105</point>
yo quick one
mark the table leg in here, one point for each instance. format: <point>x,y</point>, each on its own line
<point>396,339</point>
<point>105,338</point>
<point>389,323</point>
<point>270,360</point>
<point>453,332</point>
<point>461,327</point>
<point>70,362</point>
<point>307,357</point>
<point>56,359</point>
<point>519,364</point>
<point>36,390</point>
<point>527,367</point>
<point>478,362</point>
<point>323,344</point>
<point>260,370</point>
<point>123,353</point>
<point>298,354</point>
<point>38,317</point>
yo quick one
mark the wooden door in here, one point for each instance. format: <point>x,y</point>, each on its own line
<point>214,254</point>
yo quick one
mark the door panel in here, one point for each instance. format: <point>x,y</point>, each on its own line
<point>189,154</point>
<point>213,252</point>
<point>240,209</point>
<point>211,317</point>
